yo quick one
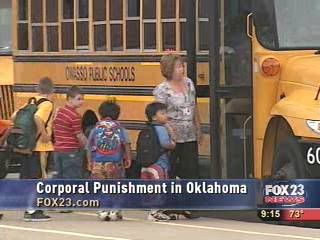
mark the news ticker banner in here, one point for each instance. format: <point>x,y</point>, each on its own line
<point>171,194</point>
<point>128,194</point>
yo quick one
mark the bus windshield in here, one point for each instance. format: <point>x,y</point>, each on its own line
<point>289,24</point>
<point>298,23</point>
<point>6,27</point>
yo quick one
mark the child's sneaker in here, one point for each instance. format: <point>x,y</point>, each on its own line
<point>189,214</point>
<point>115,215</point>
<point>110,215</point>
<point>119,215</point>
<point>103,215</point>
<point>158,216</point>
<point>173,216</point>
<point>36,216</point>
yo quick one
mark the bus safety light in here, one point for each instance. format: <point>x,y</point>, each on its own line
<point>314,125</point>
<point>270,67</point>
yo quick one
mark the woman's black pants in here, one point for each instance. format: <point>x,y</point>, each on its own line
<point>184,161</point>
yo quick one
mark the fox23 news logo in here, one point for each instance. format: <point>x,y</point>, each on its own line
<point>285,194</point>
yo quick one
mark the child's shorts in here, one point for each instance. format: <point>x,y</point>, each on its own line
<point>107,170</point>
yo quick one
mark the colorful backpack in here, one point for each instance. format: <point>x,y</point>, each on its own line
<point>108,141</point>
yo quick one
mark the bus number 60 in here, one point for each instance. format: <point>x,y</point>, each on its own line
<point>313,157</point>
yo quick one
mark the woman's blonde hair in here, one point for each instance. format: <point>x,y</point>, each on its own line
<point>167,64</point>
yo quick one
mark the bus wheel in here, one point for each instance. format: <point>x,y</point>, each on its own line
<point>288,160</point>
<point>288,164</point>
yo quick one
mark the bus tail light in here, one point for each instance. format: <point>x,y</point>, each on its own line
<point>270,67</point>
<point>314,125</point>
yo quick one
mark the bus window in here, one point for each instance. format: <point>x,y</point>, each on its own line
<point>264,22</point>
<point>52,11</point>
<point>298,32</point>
<point>169,35</point>
<point>115,14</point>
<point>83,9</point>
<point>168,9</point>
<point>99,10</point>
<point>116,37</point>
<point>183,24</point>
<point>133,34</point>
<point>183,35</point>
<point>82,25</point>
<point>168,19</point>
<point>37,39</point>
<point>36,25</point>
<point>133,25</point>
<point>133,8</point>
<point>203,25</point>
<point>100,41</point>
<point>116,25</point>
<point>36,11</point>
<point>236,49</point>
<point>52,29</point>
<point>5,26</point>
<point>68,9</point>
<point>296,24</point>
<point>23,39</point>
<point>23,36</point>
<point>23,10</point>
<point>67,35</point>
<point>150,36</point>
<point>82,35</point>
<point>100,28</point>
<point>149,24</point>
<point>52,38</point>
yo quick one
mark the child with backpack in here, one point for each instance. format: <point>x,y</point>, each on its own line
<point>30,138</point>
<point>69,138</point>
<point>109,151</point>
<point>153,149</point>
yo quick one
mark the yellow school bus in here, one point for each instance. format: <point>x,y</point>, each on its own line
<point>264,98</point>
<point>255,69</point>
<point>6,62</point>
<point>286,88</point>
<point>108,48</point>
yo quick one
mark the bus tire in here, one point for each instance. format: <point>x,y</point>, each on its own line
<point>289,164</point>
<point>288,160</point>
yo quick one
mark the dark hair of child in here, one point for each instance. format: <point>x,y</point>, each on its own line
<point>89,119</point>
<point>73,92</point>
<point>153,108</point>
<point>109,109</point>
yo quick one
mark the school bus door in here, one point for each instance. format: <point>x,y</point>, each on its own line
<point>231,94</point>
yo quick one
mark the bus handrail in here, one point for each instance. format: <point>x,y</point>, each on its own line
<point>249,34</point>
<point>245,145</point>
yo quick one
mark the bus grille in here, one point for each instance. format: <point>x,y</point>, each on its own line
<point>6,101</point>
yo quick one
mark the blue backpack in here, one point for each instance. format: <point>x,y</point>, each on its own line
<point>108,140</point>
